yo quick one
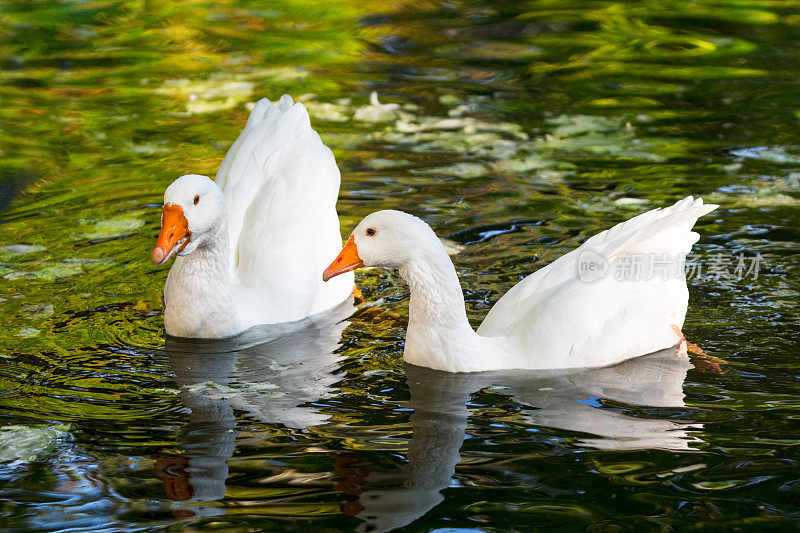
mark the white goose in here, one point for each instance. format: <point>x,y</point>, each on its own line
<point>577,312</point>
<point>252,244</point>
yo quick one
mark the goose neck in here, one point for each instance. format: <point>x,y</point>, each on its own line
<point>213,253</point>
<point>436,297</point>
<point>198,295</point>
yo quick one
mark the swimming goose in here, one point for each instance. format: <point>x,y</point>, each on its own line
<point>250,246</point>
<point>586,309</point>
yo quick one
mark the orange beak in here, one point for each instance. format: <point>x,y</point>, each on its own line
<point>174,234</point>
<point>346,261</point>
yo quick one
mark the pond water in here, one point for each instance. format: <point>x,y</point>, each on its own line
<point>516,129</point>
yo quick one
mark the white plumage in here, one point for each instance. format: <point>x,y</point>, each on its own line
<point>562,316</point>
<point>609,318</point>
<point>256,259</point>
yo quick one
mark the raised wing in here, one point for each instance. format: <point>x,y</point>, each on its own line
<point>606,312</point>
<point>281,184</point>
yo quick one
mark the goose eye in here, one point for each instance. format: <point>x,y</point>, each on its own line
<point>196,199</point>
<point>371,232</point>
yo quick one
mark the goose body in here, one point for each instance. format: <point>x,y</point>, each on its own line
<point>250,245</point>
<point>586,309</point>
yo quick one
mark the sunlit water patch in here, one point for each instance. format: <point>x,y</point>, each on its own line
<point>517,131</point>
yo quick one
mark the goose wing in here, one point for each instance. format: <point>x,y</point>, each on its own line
<point>281,184</point>
<point>624,308</point>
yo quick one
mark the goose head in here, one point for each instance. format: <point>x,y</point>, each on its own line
<point>194,210</point>
<point>387,239</point>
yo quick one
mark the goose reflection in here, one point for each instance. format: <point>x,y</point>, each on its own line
<point>572,401</point>
<point>271,372</point>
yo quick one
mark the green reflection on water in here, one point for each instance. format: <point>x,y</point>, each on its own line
<point>517,129</point>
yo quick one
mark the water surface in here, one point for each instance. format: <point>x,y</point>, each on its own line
<point>517,130</point>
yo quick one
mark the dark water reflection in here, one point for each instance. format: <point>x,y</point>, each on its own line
<point>279,376</point>
<point>574,402</point>
<point>273,374</point>
<point>516,129</point>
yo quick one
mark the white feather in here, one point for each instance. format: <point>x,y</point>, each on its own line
<point>280,185</point>
<point>592,320</point>
<point>556,318</point>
